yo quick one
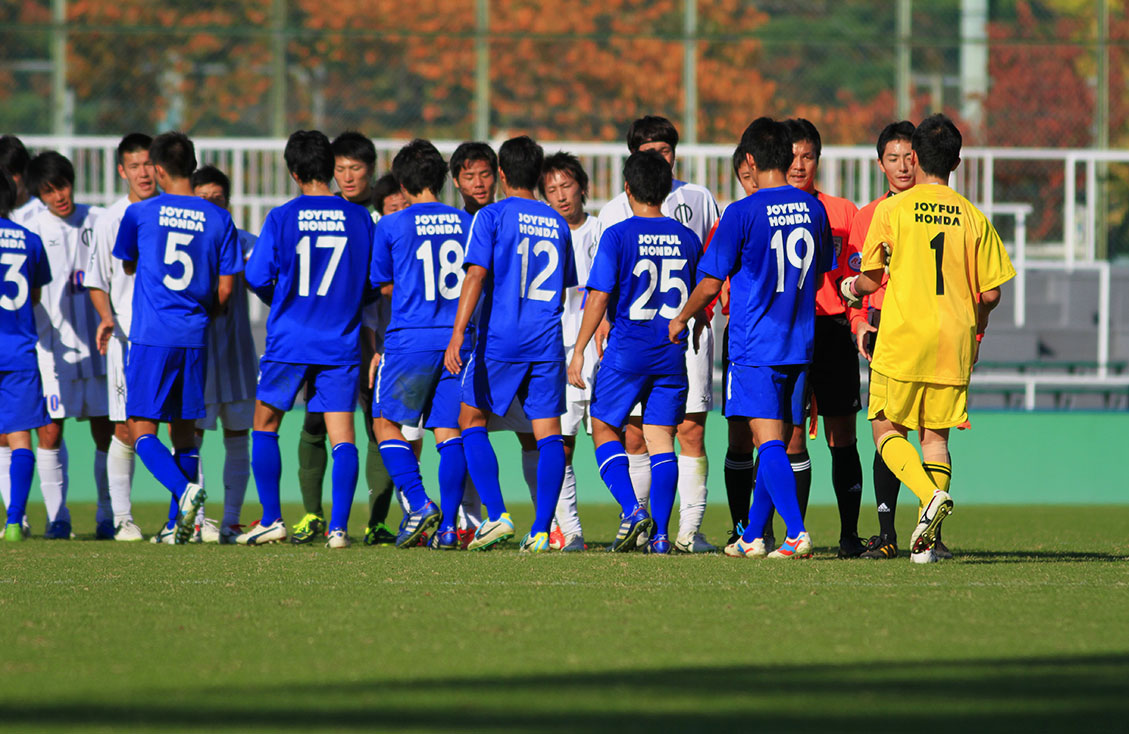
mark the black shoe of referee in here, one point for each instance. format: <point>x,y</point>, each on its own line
<point>881,547</point>
<point>852,547</point>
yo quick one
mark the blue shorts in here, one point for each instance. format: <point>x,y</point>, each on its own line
<point>414,384</point>
<point>165,383</point>
<point>330,388</point>
<point>22,406</point>
<point>615,392</point>
<point>491,385</point>
<point>772,393</point>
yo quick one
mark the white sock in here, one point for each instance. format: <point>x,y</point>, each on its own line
<point>567,516</point>
<point>119,477</point>
<point>470,511</point>
<point>105,510</point>
<point>639,467</point>
<point>236,475</point>
<point>692,474</point>
<point>49,465</point>
<point>529,472</point>
<point>5,478</point>
<point>403,500</point>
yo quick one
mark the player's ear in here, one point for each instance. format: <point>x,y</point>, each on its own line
<point>295,177</point>
<point>627,190</point>
<point>957,164</point>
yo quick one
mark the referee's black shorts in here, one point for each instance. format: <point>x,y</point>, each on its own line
<point>834,374</point>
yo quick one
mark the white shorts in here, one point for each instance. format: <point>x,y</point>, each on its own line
<point>115,379</point>
<point>513,420</point>
<point>82,398</point>
<point>412,433</point>
<point>237,416</point>
<point>576,415</point>
<point>699,375</point>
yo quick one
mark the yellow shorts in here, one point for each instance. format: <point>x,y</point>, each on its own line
<point>917,405</point>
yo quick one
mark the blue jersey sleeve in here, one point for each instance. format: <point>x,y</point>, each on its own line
<point>721,259</point>
<point>261,271</point>
<point>125,246</point>
<point>41,271</point>
<point>380,269</point>
<point>605,265</point>
<point>480,245</point>
<point>570,279</point>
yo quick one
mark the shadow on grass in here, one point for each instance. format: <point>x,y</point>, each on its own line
<point>1040,694</point>
<point>1021,556</point>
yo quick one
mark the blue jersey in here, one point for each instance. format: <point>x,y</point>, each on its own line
<point>527,247</point>
<point>420,250</point>
<point>23,268</point>
<point>311,264</point>
<point>647,266</point>
<point>181,245</point>
<point>773,245</point>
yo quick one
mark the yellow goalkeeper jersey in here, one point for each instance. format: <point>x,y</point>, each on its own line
<point>943,254</point>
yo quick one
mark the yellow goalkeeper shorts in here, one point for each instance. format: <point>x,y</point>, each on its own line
<point>917,405</point>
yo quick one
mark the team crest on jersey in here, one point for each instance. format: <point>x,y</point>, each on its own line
<point>854,262</point>
<point>87,236</point>
<point>683,213</point>
<point>838,242</point>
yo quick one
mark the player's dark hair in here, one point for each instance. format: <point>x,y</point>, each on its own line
<point>175,153</point>
<point>651,129</point>
<point>13,155</point>
<point>468,152</point>
<point>352,144</point>
<point>8,194</point>
<point>385,186</point>
<point>802,131</point>
<point>309,156</point>
<point>205,175</point>
<point>894,131</point>
<point>769,143</point>
<point>132,143</point>
<point>49,169</point>
<point>520,159</point>
<point>937,144</point>
<point>649,177</point>
<point>738,160</point>
<point>569,165</point>
<point>418,166</point>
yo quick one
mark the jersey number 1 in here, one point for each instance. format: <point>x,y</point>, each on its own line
<point>937,244</point>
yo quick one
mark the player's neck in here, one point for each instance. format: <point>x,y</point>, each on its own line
<point>314,188</point>
<point>135,197</point>
<point>178,187</point>
<point>928,178</point>
<point>423,197</point>
<point>519,193</point>
<point>581,219</point>
<point>648,211</point>
<point>771,179</point>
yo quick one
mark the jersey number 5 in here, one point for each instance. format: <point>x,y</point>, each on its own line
<point>174,255</point>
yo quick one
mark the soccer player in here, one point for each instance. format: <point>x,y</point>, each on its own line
<point>834,377</point>
<point>519,257</point>
<point>695,207</point>
<point>774,246</point>
<point>14,159</point>
<point>111,292</point>
<point>184,253</point>
<point>640,278</point>
<point>21,391</point>
<point>418,254</point>
<point>310,265</point>
<point>387,198</point>
<point>946,265</point>
<point>230,387</point>
<point>73,371</point>
<point>474,169</point>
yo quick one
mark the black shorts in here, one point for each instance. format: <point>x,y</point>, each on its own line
<point>834,375</point>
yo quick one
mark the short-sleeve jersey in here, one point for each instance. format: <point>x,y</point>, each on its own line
<point>583,251</point>
<point>943,254</point>
<point>690,204</point>
<point>106,273</point>
<point>841,214</point>
<point>311,264</point>
<point>527,249</point>
<point>647,266</point>
<point>232,359</point>
<point>420,251</point>
<point>772,245</point>
<point>29,211</point>
<point>181,245</point>
<point>23,268</point>
<point>854,259</point>
<point>66,317</point>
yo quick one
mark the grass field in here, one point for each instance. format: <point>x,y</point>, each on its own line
<point>1027,630</point>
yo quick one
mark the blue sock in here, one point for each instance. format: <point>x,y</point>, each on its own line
<point>775,471</point>
<point>664,482</point>
<point>345,467</point>
<point>403,467</point>
<point>160,464</point>
<point>759,512</point>
<point>612,462</point>
<point>189,462</point>
<point>174,513</point>
<point>482,464</point>
<point>550,477</point>
<point>452,480</point>
<point>266,466</point>
<point>19,474</point>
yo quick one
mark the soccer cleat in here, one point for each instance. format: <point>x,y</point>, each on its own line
<point>798,547</point>
<point>415,524</point>
<point>104,530</point>
<point>538,543</point>
<point>852,547</point>
<point>941,550</point>
<point>338,539</point>
<point>230,533</point>
<point>128,531</point>
<point>734,534</point>
<point>880,547</point>
<point>740,549</point>
<point>165,535</point>
<point>769,542</point>
<point>379,534</point>
<point>310,528</point>
<point>26,529</point>
<point>263,534</point>
<point>13,533</point>
<point>557,539</point>
<point>465,536</point>
<point>492,532</point>
<point>208,532</point>
<point>58,530</point>
<point>925,534</point>
<point>190,503</point>
<point>660,545</point>
<point>574,544</point>
<point>446,540</point>
<point>695,543</point>
<point>925,556</point>
<point>630,528</point>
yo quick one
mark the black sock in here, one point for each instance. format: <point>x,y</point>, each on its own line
<point>886,487</point>
<point>738,485</point>
<point>846,478</point>
<point>801,468</point>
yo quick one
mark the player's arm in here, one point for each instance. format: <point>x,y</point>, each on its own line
<point>35,294</point>
<point>468,300</point>
<point>224,289</point>
<point>704,293</point>
<point>101,301</point>
<point>595,306</point>
<point>370,338</point>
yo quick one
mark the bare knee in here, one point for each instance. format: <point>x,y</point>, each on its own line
<point>692,435</point>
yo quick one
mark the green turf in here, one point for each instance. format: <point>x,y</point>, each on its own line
<point>1027,630</point>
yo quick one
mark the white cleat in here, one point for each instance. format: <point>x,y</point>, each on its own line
<point>338,539</point>
<point>206,532</point>
<point>694,543</point>
<point>262,534</point>
<point>128,531</point>
<point>164,536</point>
<point>925,556</point>
<point>925,534</point>
<point>190,503</point>
<point>740,549</point>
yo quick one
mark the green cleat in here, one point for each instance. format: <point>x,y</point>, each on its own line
<point>13,533</point>
<point>379,535</point>
<point>310,528</point>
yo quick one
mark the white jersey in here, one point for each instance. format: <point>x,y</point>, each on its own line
<point>690,204</point>
<point>105,272</point>
<point>29,211</point>
<point>583,249</point>
<point>232,359</point>
<point>65,317</point>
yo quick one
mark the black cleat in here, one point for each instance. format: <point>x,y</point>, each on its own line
<point>852,547</point>
<point>881,547</point>
<point>941,550</point>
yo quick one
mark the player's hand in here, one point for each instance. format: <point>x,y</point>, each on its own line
<point>847,289</point>
<point>453,360</point>
<point>700,325</point>
<point>103,334</point>
<point>860,337</point>
<point>677,330</point>
<point>601,337</point>
<point>372,366</point>
<point>576,370</point>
